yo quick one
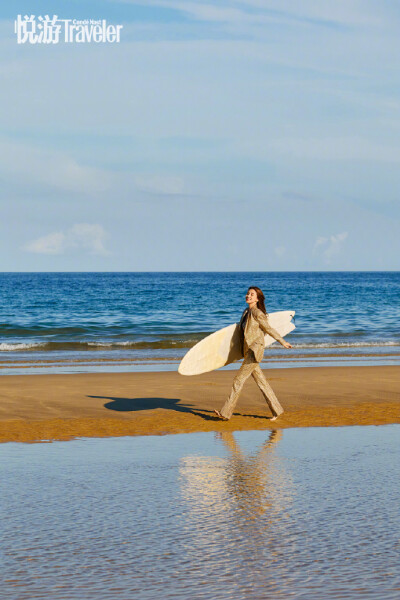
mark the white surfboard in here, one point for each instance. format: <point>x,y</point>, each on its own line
<point>223,346</point>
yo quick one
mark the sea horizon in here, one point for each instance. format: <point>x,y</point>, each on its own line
<point>223,271</point>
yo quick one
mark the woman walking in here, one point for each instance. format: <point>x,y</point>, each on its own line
<point>253,325</point>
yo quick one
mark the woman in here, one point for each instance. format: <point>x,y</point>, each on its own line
<point>253,325</point>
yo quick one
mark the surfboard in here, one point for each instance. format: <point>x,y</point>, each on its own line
<point>223,346</point>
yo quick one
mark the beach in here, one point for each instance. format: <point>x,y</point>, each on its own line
<point>61,407</point>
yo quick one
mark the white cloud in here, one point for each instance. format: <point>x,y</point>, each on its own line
<point>83,236</point>
<point>330,246</point>
<point>53,243</point>
<point>88,236</point>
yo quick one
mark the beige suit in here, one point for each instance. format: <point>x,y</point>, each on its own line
<point>252,340</point>
<point>252,337</point>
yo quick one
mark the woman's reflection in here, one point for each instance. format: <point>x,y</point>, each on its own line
<point>248,476</point>
<point>247,482</point>
<point>237,512</point>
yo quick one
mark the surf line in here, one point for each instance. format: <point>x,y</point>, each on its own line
<point>96,31</point>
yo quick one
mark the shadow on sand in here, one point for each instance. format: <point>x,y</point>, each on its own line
<point>139,404</point>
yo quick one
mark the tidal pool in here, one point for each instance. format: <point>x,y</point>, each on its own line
<point>300,513</point>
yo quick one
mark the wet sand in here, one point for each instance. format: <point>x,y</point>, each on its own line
<point>62,407</point>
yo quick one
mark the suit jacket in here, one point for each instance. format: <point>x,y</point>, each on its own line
<point>252,337</point>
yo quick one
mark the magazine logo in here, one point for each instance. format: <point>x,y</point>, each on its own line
<point>52,30</point>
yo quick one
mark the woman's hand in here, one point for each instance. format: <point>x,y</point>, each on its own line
<point>287,345</point>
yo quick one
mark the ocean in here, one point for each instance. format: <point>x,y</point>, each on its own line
<point>88,322</point>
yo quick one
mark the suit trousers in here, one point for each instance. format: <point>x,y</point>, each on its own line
<point>251,367</point>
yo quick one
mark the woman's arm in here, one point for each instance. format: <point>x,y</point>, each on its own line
<point>263,322</point>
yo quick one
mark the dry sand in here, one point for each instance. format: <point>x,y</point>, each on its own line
<point>60,407</point>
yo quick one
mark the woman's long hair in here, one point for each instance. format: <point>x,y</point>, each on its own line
<point>260,298</point>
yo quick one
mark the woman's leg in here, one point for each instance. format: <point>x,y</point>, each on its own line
<point>248,365</point>
<point>267,391</point>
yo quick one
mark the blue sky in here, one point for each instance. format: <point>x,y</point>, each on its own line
<point>234,135</point>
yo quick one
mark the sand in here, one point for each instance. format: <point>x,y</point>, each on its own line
<point>62,407</point>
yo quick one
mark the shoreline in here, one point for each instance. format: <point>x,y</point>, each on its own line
<point>80,365</point>
<point>44,407</point>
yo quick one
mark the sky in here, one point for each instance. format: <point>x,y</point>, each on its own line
<point>234,135</point>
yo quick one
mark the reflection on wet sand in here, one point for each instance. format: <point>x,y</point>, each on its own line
<point>238,511</point>
<point>311,514</point>
<point>251,483</point>
<point>251,478</point>
<point>243,486</point>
